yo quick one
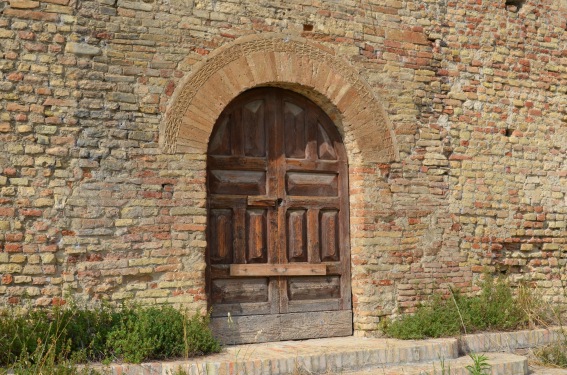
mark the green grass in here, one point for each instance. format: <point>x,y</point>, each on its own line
<point>55,340</point>
<point>494,308</point>
<point>554,354</point>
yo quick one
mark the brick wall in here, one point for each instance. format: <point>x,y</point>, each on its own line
<point>91,205</point>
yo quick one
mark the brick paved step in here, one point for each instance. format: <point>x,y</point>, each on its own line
<point>501,364</point>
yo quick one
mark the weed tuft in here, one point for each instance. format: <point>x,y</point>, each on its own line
<point>480,365</point>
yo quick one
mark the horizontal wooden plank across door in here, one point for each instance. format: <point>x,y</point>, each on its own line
<point>277,269</point>
<point>276,327</point>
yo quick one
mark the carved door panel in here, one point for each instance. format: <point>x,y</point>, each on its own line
<point>278,250</point>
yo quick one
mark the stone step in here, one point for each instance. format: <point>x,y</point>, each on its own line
<point>540,370</point>
<point>343,354</point>
<point>318,356</point>
<point>501,364</point>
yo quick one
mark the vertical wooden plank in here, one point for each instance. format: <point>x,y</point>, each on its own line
<point>239,235</point>
<point>311,134</point>
<point>329,236</point>
<point>344,232</point>
<point>221,243</point>
<point>274,153</point>
<point>253,125</point>
<point>294,130</point>
<point>236,132</point>
<point>279,151</point>
<point>313,244</point>
<point>256,236</point>
<point>296,235</point>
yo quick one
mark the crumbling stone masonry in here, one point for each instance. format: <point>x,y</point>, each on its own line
<point>453,115</point>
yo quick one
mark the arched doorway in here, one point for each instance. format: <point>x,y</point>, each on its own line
<point>278,258</point>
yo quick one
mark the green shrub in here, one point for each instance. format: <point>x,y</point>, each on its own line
<point>24,333</point>
<point>494,308</point>
<point>146,333</point>
<point>88,330</point>
<point>56,338</point>
<point>198,337</point>
<point>434,319</point>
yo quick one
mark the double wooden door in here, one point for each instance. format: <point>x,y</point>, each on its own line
<point>278,260</point>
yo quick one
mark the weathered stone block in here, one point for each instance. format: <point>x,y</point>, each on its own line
<point>82,49</point>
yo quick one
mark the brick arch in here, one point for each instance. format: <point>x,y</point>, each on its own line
<point>277,60</point>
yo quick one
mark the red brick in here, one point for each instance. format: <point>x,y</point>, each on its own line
<point>26,35</point>
<point>7,211</point>
<point>35,47</point>
<point>12,247</point>
<point>7,279</point>
<point>13,300</point>
<point>31,212</point>
<point>16,76</point>
<point>17,107</point>
<point>57,301</point>
<point>14,237</point>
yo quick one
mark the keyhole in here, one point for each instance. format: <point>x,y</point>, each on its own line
<point>279,201</point>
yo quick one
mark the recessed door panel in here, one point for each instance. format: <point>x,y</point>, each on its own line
<point>312,184</point>
<point>220,245</point>
<point>329,227</point>
<point>314,288</point>
<point>295,132</point>
<point>240,290</point>
<point>254,129</point>
<point>233,182</point>
<point>256,236</point>
<point>297,235</point>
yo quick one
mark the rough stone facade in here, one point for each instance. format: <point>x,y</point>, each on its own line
<point>457,139</point>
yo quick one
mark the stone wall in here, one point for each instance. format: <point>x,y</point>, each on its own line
<point>93,204</point>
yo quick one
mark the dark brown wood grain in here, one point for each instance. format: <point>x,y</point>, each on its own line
<point>273,327</point>
<point>277,180</point>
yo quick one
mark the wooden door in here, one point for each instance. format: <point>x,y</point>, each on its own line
<point>278,259</point>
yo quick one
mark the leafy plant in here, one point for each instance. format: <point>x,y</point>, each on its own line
<point>198,338</point>
<point>155,333</point>
<point>54,340</point>
<point>480,365</point>
<point>434,319</point>
<point>494,308</point>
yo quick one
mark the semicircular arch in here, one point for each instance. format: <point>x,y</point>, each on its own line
<point>277,60</point>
